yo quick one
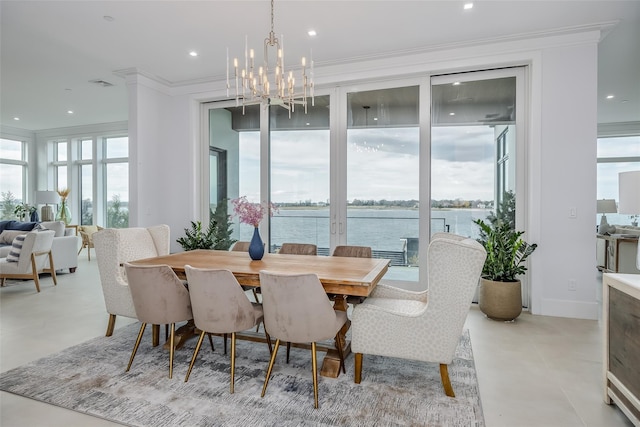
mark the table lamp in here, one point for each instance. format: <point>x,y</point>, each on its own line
<point>604,207</point>
<point>46,197</point>
<point>629,194</point>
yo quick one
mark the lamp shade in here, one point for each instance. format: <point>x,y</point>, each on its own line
<point>607,206</point>
<point>46,197</point>
<point>629,192</point>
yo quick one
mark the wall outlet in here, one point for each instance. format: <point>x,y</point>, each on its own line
<point>572,285</point>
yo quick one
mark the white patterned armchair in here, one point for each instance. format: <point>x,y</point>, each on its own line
<point>114,247</point>
<point>424,326</point>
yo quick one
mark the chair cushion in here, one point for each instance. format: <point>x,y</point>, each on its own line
<point>16,248</point>
<point>7,236</point>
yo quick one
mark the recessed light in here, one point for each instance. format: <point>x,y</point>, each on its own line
<point>108,18</point>
<point>16,118</point>
<point>193,53</point>
<point>312,33</point>
<point>452,114</point>
<point>375,119</point>
<point>468,6</point>
<point>610,96</point>
<point>456,83</point>
<point>69,111</point>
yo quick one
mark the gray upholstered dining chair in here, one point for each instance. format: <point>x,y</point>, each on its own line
<point>395,323</point>
<point>220,307</point>
<point>296,309</point>
<point>298,249</point>
<point>159,297</point>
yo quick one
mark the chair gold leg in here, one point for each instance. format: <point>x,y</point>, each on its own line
<point>314,366</point>
<point>446,383</point>
<point>288,350</point>
<point>358,368</point>
<point>195,353</point>
<point>172,335</point>
<point>135,347</point>
<point>271,361</point>
<point>233,359</point>
<point>111,325</point>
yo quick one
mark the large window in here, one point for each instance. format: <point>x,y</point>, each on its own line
<point>615,155</point>
<point>96,170</point>
<point>13,176</point>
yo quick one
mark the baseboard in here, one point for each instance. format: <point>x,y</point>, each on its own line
<point>573,309</point>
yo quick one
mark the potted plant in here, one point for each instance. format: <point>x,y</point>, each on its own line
<point>216,236</point>
<point>500,295</point>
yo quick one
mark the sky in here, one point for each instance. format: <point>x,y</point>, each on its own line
<point>382,163</point>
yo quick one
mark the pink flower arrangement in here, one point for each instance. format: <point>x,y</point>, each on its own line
<point>251,213</point>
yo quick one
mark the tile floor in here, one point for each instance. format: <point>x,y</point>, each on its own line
<point>537,371</point>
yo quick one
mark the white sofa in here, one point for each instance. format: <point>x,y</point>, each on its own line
<point>64,248</point>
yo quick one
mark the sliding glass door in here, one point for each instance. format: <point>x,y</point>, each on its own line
<point>384,165</point>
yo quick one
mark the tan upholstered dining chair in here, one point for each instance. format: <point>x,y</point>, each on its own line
<point>220,306</point>
<point>297,309</point>
<point>353,251</point>
<point>33,255</point>
<point>424,326</point>
<point>160,298</point>
<point>298,249</point>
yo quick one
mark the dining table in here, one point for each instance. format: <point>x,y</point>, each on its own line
<point>341,277</point>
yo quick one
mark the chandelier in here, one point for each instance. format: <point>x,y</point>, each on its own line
<point>270,84</point>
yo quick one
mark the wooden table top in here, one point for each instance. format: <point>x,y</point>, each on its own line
<point>338,275</point>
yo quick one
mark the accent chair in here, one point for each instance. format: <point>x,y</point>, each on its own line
<point>114,247</point>
<point>423,326</point>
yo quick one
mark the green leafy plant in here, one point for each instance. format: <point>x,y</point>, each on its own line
<point>23,211</point>
<point>196,237</point>
<point>216,236</point>
<point>222,229</point>
<point>506,251</point>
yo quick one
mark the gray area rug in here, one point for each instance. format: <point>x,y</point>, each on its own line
<point>90,378</point>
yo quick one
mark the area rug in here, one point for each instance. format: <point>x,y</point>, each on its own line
<point>90,378</point>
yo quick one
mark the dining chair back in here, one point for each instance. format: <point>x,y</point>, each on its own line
<point>297,309</point>
<point>220,306</point>
<point>159,298</point>
<point>298,249</point>
<point>241,246</point>
<point>352,251</point>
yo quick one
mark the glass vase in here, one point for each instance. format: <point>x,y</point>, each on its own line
<point>64,214</point>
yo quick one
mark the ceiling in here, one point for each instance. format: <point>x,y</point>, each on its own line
<point>51,50</point>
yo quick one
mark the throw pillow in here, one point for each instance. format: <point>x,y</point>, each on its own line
<point>40,227</point>
<point>16,248</point>
<point>7,236</point>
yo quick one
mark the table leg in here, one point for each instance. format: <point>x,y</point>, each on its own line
<point>182,334</point>
<point>331,363</point>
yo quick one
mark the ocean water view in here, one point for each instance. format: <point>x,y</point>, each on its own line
<point>381,229</point>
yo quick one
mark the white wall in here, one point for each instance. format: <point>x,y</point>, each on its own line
<point>560,162</point>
